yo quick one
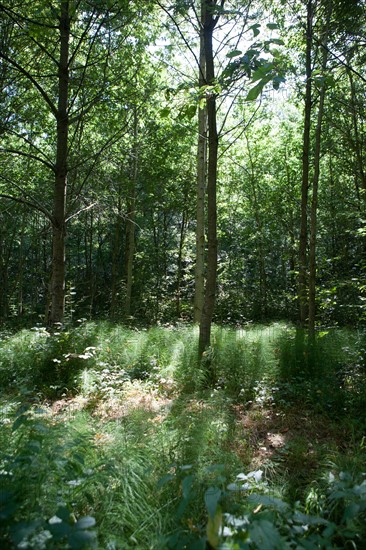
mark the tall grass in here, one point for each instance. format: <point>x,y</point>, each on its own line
<point>132,432</point>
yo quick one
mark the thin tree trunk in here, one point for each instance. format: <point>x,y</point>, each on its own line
<point>292,254</point>
<point>130,250</point>
<point>314,202</point>
<point>115,258</point>
<point>59,201</point>
<point>183,226</point>
<point>131,217</point>
<point>20,274</point>
<point>303,309</point>
<point>199,276</point>
<point>210,290</point>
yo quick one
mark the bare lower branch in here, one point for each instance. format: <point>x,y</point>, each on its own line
<point>80,211</point>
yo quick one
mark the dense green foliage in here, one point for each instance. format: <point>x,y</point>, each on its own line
<point>131,167</point>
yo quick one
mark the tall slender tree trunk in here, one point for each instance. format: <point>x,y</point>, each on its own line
<point>180,260</point>
<point>210,22</point>
<point>302,293</point>
<point>199,276</point>
<point>115,275</point>
<point>130,249</point>
<point>314,202</point>
<point>291,229</point>
<point>59,202</point>
<point>131,218</point>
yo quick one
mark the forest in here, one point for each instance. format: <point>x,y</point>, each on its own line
<point>182,274</point>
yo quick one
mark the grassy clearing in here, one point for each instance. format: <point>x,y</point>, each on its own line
<point>112,437</point>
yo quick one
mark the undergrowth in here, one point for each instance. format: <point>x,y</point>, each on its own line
<point>116,438</point>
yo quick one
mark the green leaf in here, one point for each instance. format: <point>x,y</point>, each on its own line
<point>277,80</point>
<point>269,501</point>
<point>262,71</point>
<point>272,26</point>
<point>188,111</point>
<point>277,41</point>
<point>254,92</point>
<point>234,53</point>
<point>265,536</point>
<point>212,497</point>
<point>255,28</point>
<point>309,520</point>
<point>164,113</point>
<point>22,419</point>
<point>351,511</point>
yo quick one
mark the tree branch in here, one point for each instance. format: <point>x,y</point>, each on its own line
<point>30,202</point>
<point>28,155</point>
<point>36,206</point>
<point>80,211</point>
<point>181,35</point>
<point>32,80</point>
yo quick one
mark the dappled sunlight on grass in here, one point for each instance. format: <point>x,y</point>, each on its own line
<point>134,407</point>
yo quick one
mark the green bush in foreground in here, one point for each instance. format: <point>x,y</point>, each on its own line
<point>246,515</point>
<point>43,472</point>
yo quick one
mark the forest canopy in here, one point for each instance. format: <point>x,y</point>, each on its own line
<point>153,150</point>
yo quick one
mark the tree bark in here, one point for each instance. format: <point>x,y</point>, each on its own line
<point>115,275</point>
<point>57,310</point>
<point>130,249</point>
<point>302,293</point>
<point>199,276</point>
<point>210,289</point>
<point>314,202</point>
<point>131,217</point>
<point>180,260</point>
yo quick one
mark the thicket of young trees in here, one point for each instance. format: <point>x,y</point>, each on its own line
<point>183,160</point>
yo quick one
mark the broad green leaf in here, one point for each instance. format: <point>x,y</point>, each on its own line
<point>234,53</point>
<point>212,497</point>
<point>351,511</point>
<point>277,41</point>
<point>272,26</point>
<point>22,419</point>
<point>254,92</point>
<point>164,113</point>
<point>255,28</point>
<point>265,535</point>
<point>188,111</point>
<point>277,80</point>
<point>262,71</point>
<point>309,520</point>
<point>186,467</point>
